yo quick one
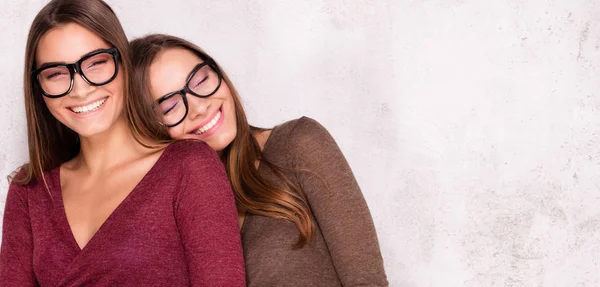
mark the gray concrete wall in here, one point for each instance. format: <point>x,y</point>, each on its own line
<point>473,127</point>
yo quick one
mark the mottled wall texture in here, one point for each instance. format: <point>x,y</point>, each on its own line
<point>473,127</point>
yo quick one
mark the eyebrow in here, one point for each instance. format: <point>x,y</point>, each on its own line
<point>47,64</point>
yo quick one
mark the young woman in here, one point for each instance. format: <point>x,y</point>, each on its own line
<point>303,219</point>
<point>100,204</point>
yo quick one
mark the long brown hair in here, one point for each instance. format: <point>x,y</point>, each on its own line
<point>50,142</point>
<point>253,193</point>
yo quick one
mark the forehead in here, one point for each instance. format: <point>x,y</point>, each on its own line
<point>170,69</point>
<point>67,43</point>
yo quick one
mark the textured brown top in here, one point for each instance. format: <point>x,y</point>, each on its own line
<point>345,251</point>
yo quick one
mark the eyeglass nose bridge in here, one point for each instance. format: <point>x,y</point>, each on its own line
<point>76,69</point>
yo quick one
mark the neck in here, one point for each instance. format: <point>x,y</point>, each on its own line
<point>109,149</point>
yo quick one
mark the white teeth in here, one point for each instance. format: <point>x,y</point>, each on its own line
<point>209,126</point>
<point>88,108</point>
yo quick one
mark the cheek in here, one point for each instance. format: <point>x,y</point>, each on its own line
<point>116,87</point>
<point>230,111</point>
<point>229,105</point>
<point>232,118</point>
<point>177,132</point>
<point>53,105</point>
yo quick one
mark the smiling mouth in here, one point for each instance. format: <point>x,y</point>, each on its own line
<point>88,108</point>
<point>209,125</point>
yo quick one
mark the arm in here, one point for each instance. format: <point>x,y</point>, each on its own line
<point>16,253</point>
<point>207,219</point>
<point>337,205</point>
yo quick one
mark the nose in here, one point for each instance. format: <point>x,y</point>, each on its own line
<point>198,107</point>
<point>80,87</point>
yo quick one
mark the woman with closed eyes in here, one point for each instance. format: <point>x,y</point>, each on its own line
<point>302,216</point>
<point>101,203</point>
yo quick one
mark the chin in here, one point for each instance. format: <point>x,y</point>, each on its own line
<point>90,132</point>
<point>218,147</point>
<point>94,128</point>
<point>220,142</point>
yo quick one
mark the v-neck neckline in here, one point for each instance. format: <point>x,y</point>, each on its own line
<point>63,213</point>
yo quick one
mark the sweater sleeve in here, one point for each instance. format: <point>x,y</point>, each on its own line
<point>337,204</point>
<point>16,252</point>
<point>207,219</point>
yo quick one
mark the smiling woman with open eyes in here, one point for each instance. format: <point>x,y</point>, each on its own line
<point>101,203</point>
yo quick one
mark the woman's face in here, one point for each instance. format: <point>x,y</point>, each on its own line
<point>211,119</point>
<point>88,110</point>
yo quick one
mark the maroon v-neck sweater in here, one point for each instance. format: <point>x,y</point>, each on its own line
<point>177,227</point>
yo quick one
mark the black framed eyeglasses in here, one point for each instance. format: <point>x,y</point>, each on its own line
<point>97,68</point>
<point>203,81</point>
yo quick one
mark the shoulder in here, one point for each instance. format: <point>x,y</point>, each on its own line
<point>303,129</point>
<point>302,123</point>
<point>296,141</point>
<point>19,172</point>
<point>21,177</point>
<point>20,189</point>
<point>303,132</point>
<point>184,149</point>
<point>18,192</point>
<point>191,152</point>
